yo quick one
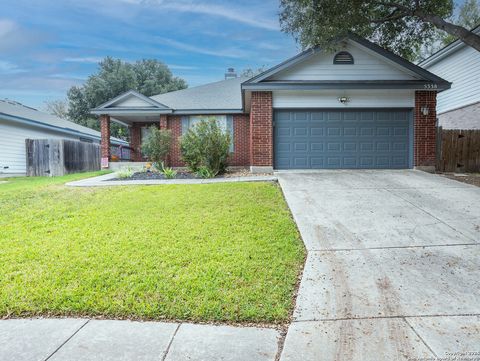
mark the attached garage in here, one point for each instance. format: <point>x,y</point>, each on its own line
<point>355,107</point>
<point>339,138</point>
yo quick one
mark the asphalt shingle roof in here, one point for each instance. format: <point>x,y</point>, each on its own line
<point>225,94</point>
<point>15,109</point>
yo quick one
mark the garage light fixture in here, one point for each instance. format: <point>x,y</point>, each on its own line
<point>425,110</point>
<point>344,100</point>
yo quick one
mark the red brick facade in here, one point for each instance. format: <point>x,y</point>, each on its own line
<point>241,138</point>
<point>261,129</point>
<point>163,122</point>
<point>425,128</point>
<point>175,125</point>
<point>253,133</point>
<point>105,135</point>
<point>241,147</point>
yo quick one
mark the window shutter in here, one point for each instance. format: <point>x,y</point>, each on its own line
<point>230,130</point>
<point>185,124</point>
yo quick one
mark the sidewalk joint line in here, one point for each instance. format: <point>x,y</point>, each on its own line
<point>387,317</point>
<point>167,350</point>
<point>420,337</point>
<point>393,247</point>
<point>68,339</point>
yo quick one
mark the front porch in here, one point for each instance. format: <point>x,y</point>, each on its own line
<point>136,125</point>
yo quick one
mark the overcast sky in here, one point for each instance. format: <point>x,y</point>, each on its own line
<point>48,46</point>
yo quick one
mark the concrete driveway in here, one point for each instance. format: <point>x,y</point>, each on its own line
<point>393,266</point>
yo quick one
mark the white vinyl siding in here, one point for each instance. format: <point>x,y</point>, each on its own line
<point>367,66</point>
<point>462,68</point>
<point>132,102</point>
<point>12,144</point>
<point>358,99</point>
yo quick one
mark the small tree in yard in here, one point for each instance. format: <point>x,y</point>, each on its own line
<point>206,147</point>
<point>157,144</point>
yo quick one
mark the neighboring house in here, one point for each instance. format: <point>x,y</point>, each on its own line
<point>458,107</point>
<point>19,122</point>
<point>360,107</point>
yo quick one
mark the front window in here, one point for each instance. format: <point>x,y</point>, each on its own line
<point>224,121</point>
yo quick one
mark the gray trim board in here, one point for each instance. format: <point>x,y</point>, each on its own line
<point>130,111</point>
<point>399,60</point>
<point>135,94</point>
<point>283,65</point>
<point>339,84</point>
<point>207,111</point>
<point>446,51</point>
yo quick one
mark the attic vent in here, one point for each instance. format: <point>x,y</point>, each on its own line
<point>343,57</point>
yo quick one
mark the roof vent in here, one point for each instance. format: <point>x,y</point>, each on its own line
<point>230,74</point>
<point>343,57</point>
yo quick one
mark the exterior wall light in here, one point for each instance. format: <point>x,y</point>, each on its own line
<point>425,110</point>
<point>344,100</point>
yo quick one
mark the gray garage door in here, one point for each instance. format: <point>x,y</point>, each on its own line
<point>342,139</point>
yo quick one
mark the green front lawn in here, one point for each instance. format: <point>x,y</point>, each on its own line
<point>212,252</point>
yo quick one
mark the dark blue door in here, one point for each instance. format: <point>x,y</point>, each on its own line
<point>337,139</point>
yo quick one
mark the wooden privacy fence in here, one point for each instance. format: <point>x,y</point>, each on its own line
<point>458,150</point>
<point>56,157</point>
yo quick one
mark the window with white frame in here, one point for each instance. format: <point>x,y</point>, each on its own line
<point>224,121</point>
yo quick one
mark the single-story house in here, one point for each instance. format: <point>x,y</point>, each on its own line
<point>458,107</point>
<point>358,107</point>
<point>19,122</point>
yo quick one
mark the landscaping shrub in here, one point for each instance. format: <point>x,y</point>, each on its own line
<point>157,144</point>
<point>206,145</point>
<point>204,172</point>
<point>125,172</point>
<point>168,172</point>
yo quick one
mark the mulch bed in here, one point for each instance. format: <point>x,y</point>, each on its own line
<point>186,175</point>
<point>473,179</point>
<point>156,175</point>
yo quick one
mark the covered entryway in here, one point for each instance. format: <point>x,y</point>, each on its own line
<point>343,139</point>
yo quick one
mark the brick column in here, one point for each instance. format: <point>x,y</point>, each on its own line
<point>163,121</point>
<point>261,132</point>
<point>105,135</point>
<point>425,129</point>
<point>135,142</point>
<point>164,126</point>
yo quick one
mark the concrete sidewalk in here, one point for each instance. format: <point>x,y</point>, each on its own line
<point>109,340</point>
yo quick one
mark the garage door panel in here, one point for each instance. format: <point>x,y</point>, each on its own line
<point>342,139</point>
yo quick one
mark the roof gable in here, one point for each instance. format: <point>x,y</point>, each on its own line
<point>366,66</point>
<point>372,64</point>
<point>131,101</point>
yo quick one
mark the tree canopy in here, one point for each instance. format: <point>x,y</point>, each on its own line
<point>402,26</point>
<point>114,77</point>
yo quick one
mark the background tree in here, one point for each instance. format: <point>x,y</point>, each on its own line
<point>58,107</point>
<point>468,17</point>
<point>251,72</point>
<point>401,26</point>
<point>114,77</point>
